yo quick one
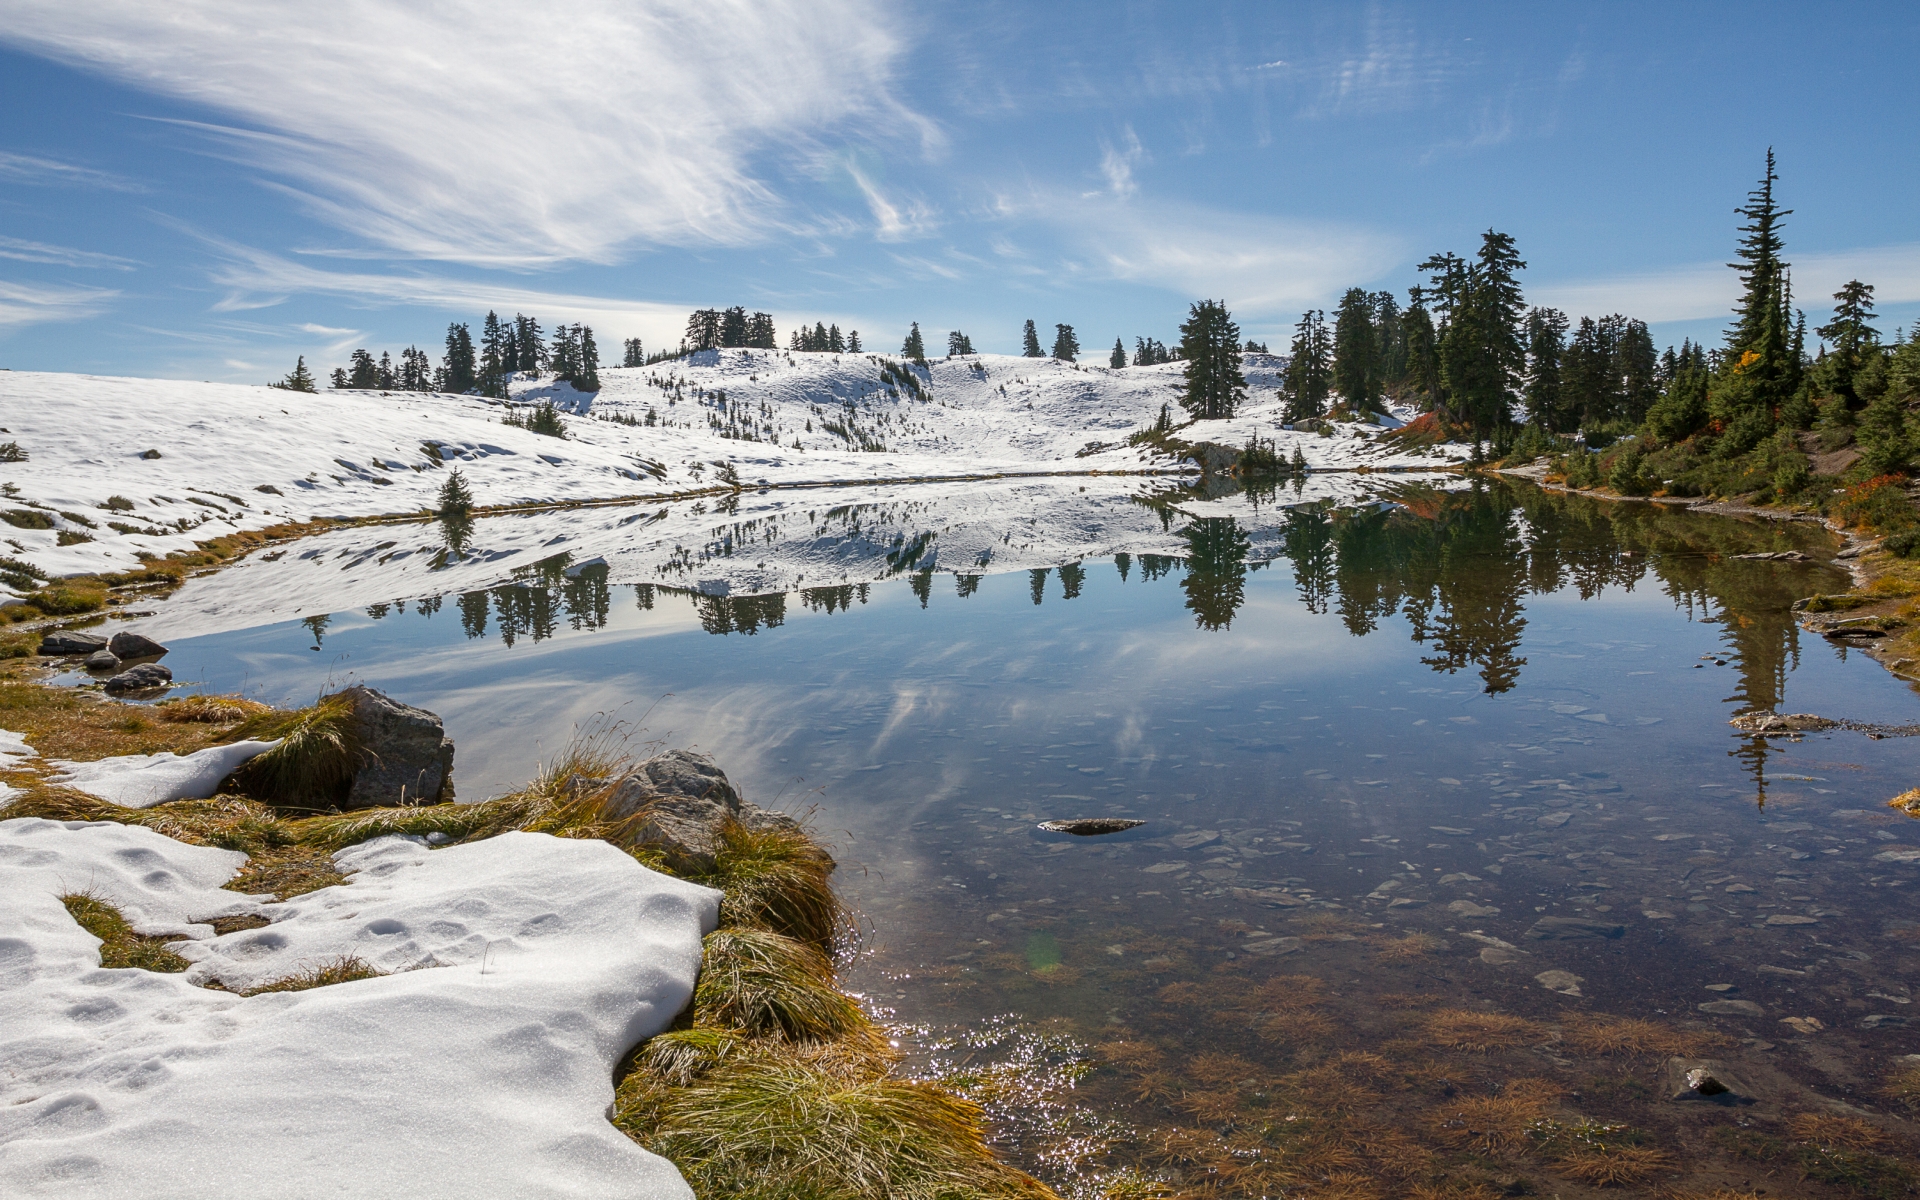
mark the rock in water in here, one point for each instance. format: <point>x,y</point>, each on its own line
<point>1091,826</point>
<point>1732,1008</point>
<point>1564,982</point>
<point>682,799</point>
<point>140,678</point>
<point>1698,1079</point>
<point>68,641</point>
<point>1770,724</point>
<point>133,645</point>
<point>406,756</point>
<point>101,660</point>
<point>1564,929</point>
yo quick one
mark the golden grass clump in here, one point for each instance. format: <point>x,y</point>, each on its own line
<point>769,985</point>
<point>314,764</point>
<point>1845,1133</point>
<point>344,969</point>
<point>1402,949</point>
<point>1479,1032</point>
<point>1600,1033</point>
<point>762,1127</point>
<point>230,822</point>
<point>120,946</point>
<point>777,879</point>
<point>1615,1166</point>
<point>1907,802</point>
<point>209,710</point>
<point>1304,1025</point>
<point>1903,1085</point>
<point>1490,1124</point>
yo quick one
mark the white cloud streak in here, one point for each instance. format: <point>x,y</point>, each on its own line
<point>1265,268</point>
<point>25,168</point>
<point>30,304</point>
<point>1117,163</point>
<point>21,250</point>
<point>1704,290</point>
<point>483,131</point>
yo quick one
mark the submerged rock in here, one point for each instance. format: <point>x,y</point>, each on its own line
<point>1091,826</point>
<point>140,678</point>
<point>69,641</point>
<point>1769,724</point>
<point>406,755</point>
<point>1564,982</point>
<point>682,799</point>
<point>1732,1008</point>
<point>1699,1080</point>
<point>126,644</point>
<point>1566,929</point>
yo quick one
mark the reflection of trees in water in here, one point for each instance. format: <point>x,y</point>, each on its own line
<point>317,626</point>
<point>740,614</point>
<point>1216,576</point>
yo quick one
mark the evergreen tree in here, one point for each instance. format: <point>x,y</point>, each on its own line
<point>1756,377</point>
<point>636,354</point>
<point>1479,347</point>
<point>1852,337</point>
<point>958,344</point>
<point>1210,345</point>
<point>416,370</point>
<point>565,355</point>
<point>835,342</point>
<point>760,332</point>
<point>1546,344</point>
<point>733,327</point>
<point>339,380</point>
<point>587,377</point>
<point>1389,344</point>
<point>1354,353</point>
<point>1588,375</point>
<point>456,499</point>
<point>1118,358</point>
<point>495,364</point>
<point>1066,347</point>
<point>299,379</point>
<point>1681,408</point>
<point>388,380</point>
<point>1030,340</point>
<point>457,366</point>
<point>1638,369</point>
<point>820,342</point>
<point>915,347</point>
<point>1423,359</point>
<point>853,341</point>
<point>364,373</point>
<point>703,329</point>
<point>529,346</point>
<point>1309,376</point>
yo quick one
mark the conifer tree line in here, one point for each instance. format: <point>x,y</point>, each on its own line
<point>730,328</point>
<point>506,349</point>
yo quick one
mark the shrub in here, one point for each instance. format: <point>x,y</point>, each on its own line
<point>63,600</point>
<point>70,537</point>
<point>18,575</point>
<point>1626,476</point>
<point>26,518</point>
<point>117,504</point>
<point>11,452</point>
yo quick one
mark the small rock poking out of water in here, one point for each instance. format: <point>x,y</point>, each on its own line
<point>1768,724</point>
<point>140,678</point>
<point>1697,1079</point>
<point>102,660</point>
<point>1091,826</point>
<point>67,641</point>
<point>132,645</point>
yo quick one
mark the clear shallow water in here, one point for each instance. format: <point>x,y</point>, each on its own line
<point>1418,727</point>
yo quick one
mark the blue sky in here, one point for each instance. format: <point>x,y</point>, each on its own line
<point>206,190</point>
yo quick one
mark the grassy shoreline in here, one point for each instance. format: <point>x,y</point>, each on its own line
<point>773,1082</point>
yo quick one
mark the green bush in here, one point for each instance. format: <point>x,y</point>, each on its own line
<point>62,600</point>
<point>27,518</point>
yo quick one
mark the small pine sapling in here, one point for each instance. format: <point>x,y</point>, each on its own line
<point>456,499</point>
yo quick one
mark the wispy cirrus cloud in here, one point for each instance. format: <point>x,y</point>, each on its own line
<point>483,131</point>
<point>21,250</point>
<point>36,304</point>
<point>26,168</point>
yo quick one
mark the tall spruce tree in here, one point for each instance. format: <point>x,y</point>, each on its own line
<point>1389,344</point>
<point>299,379</point>
<point>1423,358</point>
<point>1309,377</point>
<point>1030,341</point>
<point>635,354</point>
<point>388,380</point>
<point>587,377</point>
<point>1480,352</point>
<point>1756,378</point>
<point>1546,345</point>
<point>457,366</point>
<point>1066,347</point>
<point>1851,337</point>
<point>1354,359</point>
<point>495,361</point>
<point>853,341</point>
<point>760,332</point>
<point>529,345</point>
<point>1118,358</point>
<point>1210,346</point>
<point>915,347</point>
<point>365,373</point>
<point>703,329</point>
<point>733,327</point>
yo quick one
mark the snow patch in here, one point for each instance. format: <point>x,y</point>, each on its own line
<point>144,780</point>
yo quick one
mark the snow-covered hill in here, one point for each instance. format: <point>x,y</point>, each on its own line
<point>118,468</point>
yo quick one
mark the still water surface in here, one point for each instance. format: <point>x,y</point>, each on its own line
<point>1370,762</point>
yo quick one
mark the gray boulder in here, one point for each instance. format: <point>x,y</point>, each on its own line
<point>141,678</point>
<point>69,641</point>
<point>127,644</point>
<point>681,800</point>
<point>406,755</point>
<point>101,660</point>
<point>1701,1080</point>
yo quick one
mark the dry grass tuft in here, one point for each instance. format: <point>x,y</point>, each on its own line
<point>1401,949</point>
<point>766,985</point>
<point>779,880</point>
<point>230,822</point>
<point>1846,1133</point>
<point>120,946</point>
<point>61,722</point>
<point>1303,1026</point>
<point>1479,1032</point>
<point>314,764</point>
<point>1599,1033</point>
<point>1615,1166</point>
<point>344,969</point>
<point>210,710</point>
<point>1903,1085</point>
<point>285,872</point>
<point>1490,1124</point>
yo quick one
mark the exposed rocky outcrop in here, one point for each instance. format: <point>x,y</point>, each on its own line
<point>406,756</point>
<point>682,799</point>
<point>71,641</point>
<point>142,678</point>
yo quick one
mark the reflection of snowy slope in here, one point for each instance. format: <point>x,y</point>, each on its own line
<point>232,457</point>
<point>750,542</point>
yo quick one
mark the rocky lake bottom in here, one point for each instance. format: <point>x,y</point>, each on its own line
<point>1451,864</point>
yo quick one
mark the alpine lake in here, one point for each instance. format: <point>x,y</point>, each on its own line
<point>1451,865</point>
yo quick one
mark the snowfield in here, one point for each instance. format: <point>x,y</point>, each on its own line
<point>179,461</point>
<point>519,969</point>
